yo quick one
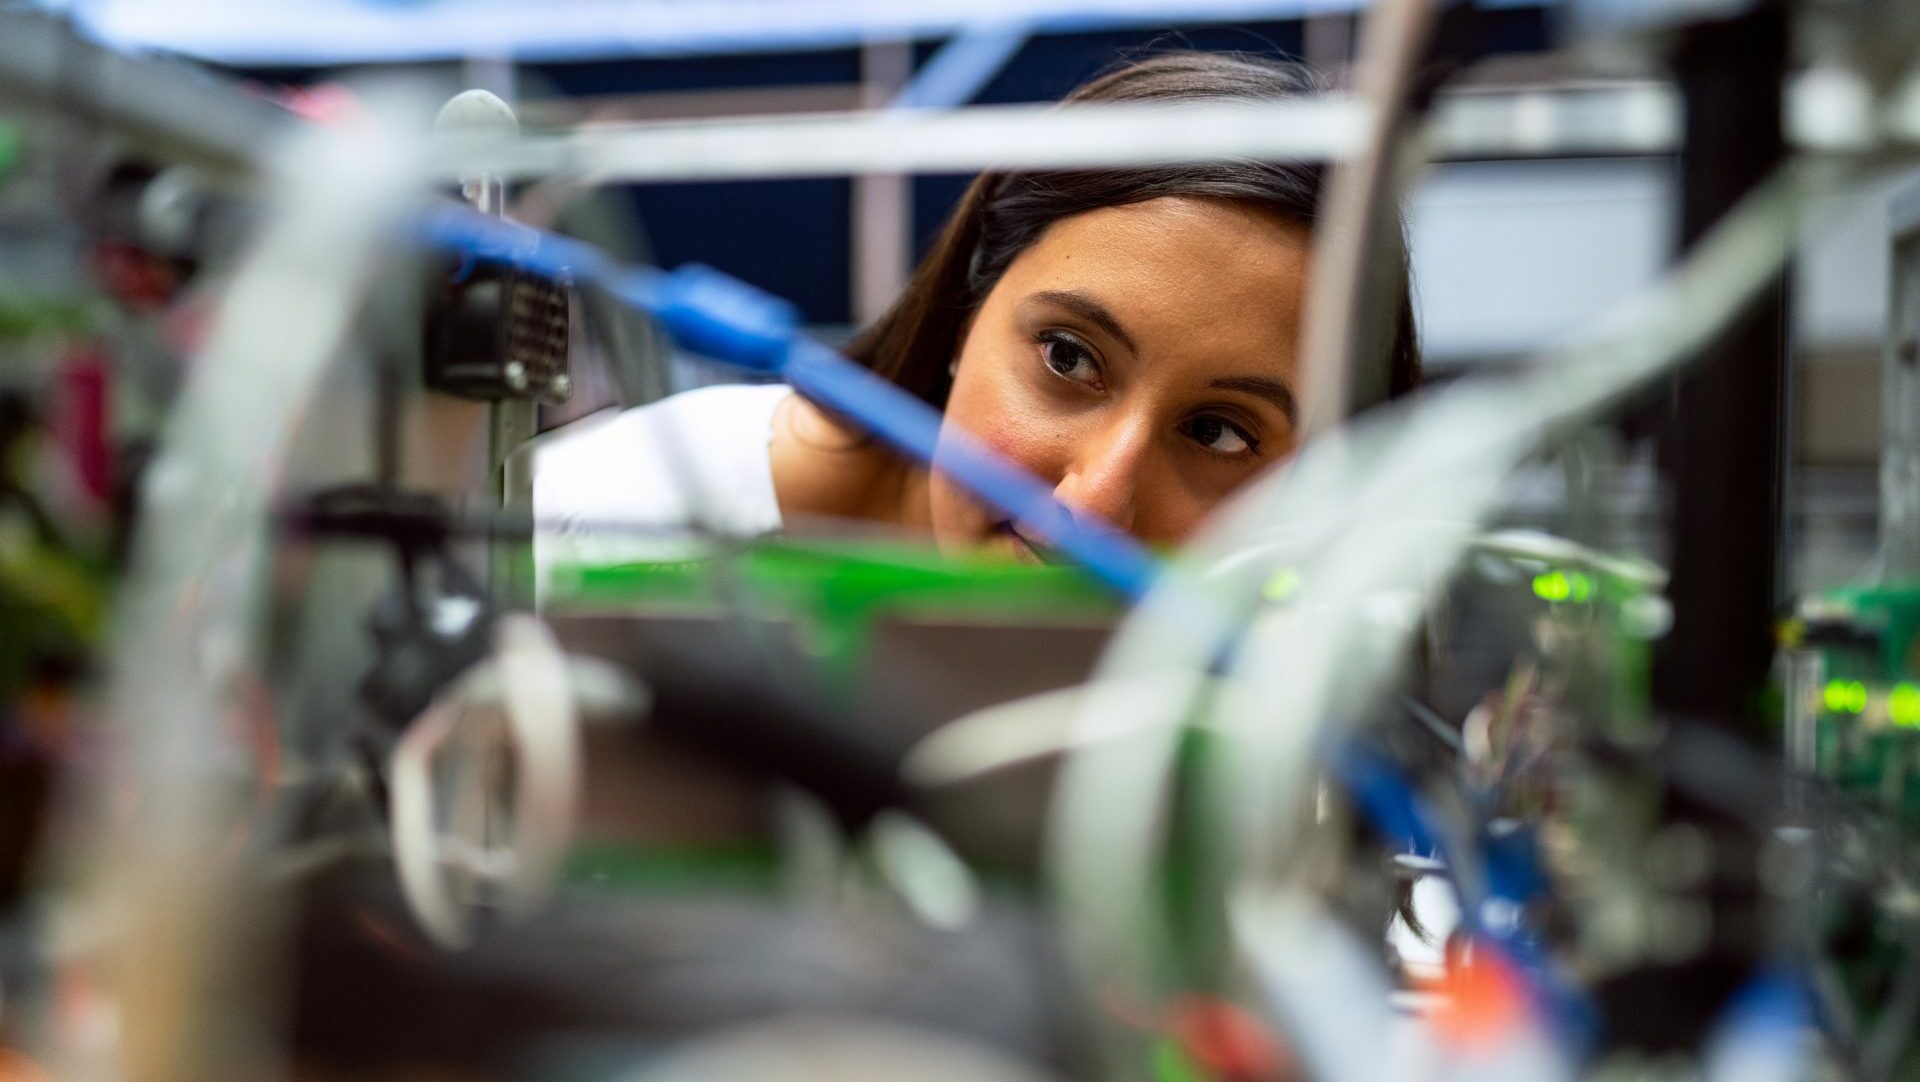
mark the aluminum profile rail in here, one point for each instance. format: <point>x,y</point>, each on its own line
<point>1629,120</point>
<point>1829,112</point>
<point>172,108</point>
<point>354,31</point>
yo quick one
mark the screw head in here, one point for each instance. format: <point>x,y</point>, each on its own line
<point>515,374</point>
<point>561,386</point>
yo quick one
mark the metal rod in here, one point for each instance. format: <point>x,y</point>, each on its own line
<point>1723,452</point>
<point>176,109</point>
<point>1624,119</point>
<point>234,31</point>
<point>1357,254</point>
<point>909,141</point>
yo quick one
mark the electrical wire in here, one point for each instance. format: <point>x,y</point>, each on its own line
<point>1441,458</point>
<point>1712,283</point>
<point>519,699</point>
<point>1481,452</point>
<point>717,316</point>
<point>1435,725</point>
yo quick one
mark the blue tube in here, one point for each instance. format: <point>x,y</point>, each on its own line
<point>717,316</point>
<point>1388,801</point>
<point>710,313</point>
<point>912,428</point>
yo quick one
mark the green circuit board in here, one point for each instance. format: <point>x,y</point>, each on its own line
<point>1853,665</point>
<point>838,592</point>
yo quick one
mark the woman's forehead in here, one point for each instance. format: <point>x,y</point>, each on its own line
<point>1179,273</point>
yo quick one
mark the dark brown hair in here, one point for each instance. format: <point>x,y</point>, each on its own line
<point>1002,214</point>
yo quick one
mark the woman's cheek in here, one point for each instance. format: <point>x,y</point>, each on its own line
<point>1007,418</point>
<point>1000,418</point>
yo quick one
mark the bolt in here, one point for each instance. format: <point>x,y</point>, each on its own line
<point>561,386</point>
<point>515,374</point>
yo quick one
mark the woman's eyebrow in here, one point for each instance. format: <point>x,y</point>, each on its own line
<point>1272,390</point>
<point>1088,309</point>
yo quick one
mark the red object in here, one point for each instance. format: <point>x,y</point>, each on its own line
<point>323,103</point>
<point>1226,1040</point>
<point>134,276</point>
<point>1481,1000</point>
<point>80,420</point>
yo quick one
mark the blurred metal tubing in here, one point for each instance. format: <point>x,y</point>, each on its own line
<point>173,108</point>
<point>1828,113</point>
<point>188,114</point>
<point>1631,120</point>
<point>355,31</point>
<point>1634,120</point>
<point>909,141</point>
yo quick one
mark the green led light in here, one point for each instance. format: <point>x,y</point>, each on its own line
<point>1563,586</point>
<point>1903,706</point>
<point>1582,586</point>
<point>1552,586</point>
<point>1847,697</point>
<point>1282,585</point>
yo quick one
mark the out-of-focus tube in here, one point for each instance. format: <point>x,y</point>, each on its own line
<point>193,594</point>
<point>1299,674</point>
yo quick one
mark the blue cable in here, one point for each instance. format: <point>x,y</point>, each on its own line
<point>912,427</point>
<point>709,313</point>
<point>1764,1023</point>
<point>1391,804</point>
<point>712,314</point>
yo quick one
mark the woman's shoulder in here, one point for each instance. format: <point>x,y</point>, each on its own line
<point>698,458</point>
<point>824,468</point>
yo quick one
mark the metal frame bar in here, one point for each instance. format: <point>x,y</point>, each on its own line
<point>1635,119</point>
<point>175,108</point>
<point>1900,396</point>
<point>45,63</point>
<point>1630,120</point>
<point>319,32</point>
<point>1723,448</point>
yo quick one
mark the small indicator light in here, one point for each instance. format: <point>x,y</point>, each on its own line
<point>1847,697</point>
<point>1282,585</point>
<point>1903,706</point>
<point>1552,586</point>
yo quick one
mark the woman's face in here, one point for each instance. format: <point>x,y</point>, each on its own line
<point>1141,359</point>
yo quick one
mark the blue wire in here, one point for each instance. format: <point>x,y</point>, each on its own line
<point>911,427</point>
<point>712,314</point>
<point>1394,808</point>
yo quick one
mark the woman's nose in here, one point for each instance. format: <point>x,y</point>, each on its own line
<point>1103,473</point>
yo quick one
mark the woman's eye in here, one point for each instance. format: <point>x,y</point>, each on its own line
<point>1069,359</point>
<point>1220,436</point>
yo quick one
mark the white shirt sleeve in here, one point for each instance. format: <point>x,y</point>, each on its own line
<point>694,463</point>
